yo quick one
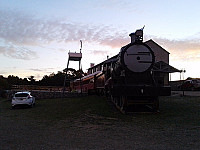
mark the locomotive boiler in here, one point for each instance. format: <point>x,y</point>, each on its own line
<point>129,78</point>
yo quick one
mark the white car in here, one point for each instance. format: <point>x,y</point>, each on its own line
<point>23,98</point>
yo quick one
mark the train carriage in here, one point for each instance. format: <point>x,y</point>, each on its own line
<point>91,84</point>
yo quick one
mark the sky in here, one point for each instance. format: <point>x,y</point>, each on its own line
<point>36,36</point>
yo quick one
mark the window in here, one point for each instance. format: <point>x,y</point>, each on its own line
<point>21,95</point>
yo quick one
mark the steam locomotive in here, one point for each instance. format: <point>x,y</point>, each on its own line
<point>127,78</point>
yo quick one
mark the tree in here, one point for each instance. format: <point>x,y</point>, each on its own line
<point>58,79</point>
<point>53,79</point>
<point>32,80</point>
<point>4,85</point>
<point>74,74</point>
<point>13,80</point>
<point>25,81</point>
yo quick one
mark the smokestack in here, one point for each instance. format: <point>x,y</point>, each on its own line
<point>136,36</point>
<point>132,35</point>
<point>91,65</point>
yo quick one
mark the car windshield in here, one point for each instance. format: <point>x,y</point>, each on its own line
<point>21,95</point>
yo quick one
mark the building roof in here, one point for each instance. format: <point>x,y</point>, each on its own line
<point>151,41</point>
<point>90,75</point>
<point>105,61</point>
<point>164,67</point>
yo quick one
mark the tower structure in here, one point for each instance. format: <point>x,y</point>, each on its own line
<point>73,56</point>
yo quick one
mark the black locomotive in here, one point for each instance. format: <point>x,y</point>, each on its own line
<point>129,78</point>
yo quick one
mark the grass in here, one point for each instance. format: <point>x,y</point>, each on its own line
<point>2,99</point>
<point>52,110</point>
<point>181,110</point>
<point>89,123</point>
<point>174,111</point>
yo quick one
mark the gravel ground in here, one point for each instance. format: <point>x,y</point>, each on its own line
<point>93,131</point>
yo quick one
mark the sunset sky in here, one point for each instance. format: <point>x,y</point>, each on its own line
<point>36,35</point>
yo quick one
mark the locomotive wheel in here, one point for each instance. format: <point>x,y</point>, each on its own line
<point>118,102</point>
<point>156,104</point>
<point>108,94</point>
<point>112,98</point>
<point>123,103</point>
<point>115,100</point>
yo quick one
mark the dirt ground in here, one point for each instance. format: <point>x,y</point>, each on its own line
<point>176,126</point>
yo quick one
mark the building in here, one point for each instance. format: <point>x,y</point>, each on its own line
<point>160,53</point>
<point>161,68</point>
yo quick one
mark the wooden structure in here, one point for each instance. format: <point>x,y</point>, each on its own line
<point>73,57</point>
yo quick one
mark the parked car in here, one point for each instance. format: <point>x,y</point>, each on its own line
<point>196,83</point>
<point>193,84</point>
<point>23,98</point>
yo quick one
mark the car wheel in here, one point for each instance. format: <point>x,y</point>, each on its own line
<point>31,105</point>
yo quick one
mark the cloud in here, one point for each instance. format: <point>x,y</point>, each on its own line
<point>21,31</point>
<point>117,5</point>
<point>16,52</point>
<point>3,72</point>
<point>187,49</point>
<point>38,70</point>
<point>42,69</point>
<point>99,52</point>
<point>38,73</point>
<point>27,30</point>
<point>62,49</point>
<point>22,34</point>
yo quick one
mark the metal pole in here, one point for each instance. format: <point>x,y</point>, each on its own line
<point>182,87</point>
<point>65,78</point>
<point>81,45</point>
<point>80,69</point>
<point>180,75</point>
<point>183,81</point>
<point>80,76</point>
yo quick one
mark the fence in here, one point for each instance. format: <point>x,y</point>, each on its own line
<point>46,94</point>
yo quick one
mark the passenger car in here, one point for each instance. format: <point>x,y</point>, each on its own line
<point>23,98</point>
